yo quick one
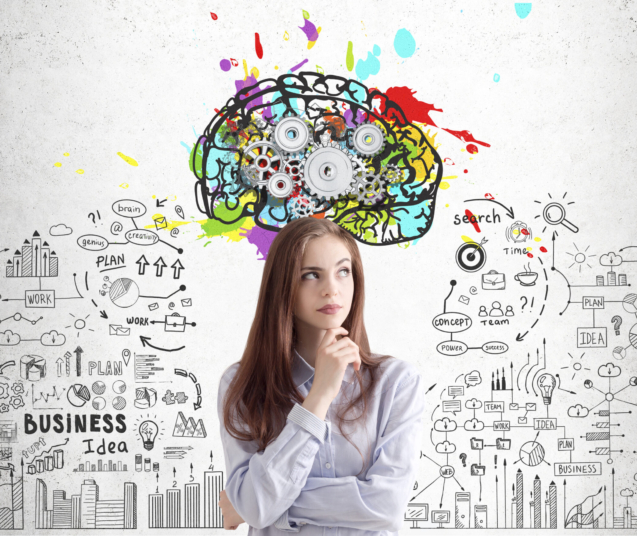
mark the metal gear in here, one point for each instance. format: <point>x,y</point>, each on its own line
<point>292,134</point>
<point>368,139</point>
<point>392,173</point>
<point>370,189</point>
<point>302,206</point>
<point>280,185</point>
<point>328,171</point>
<point>260,160</point>
<point>4,390</point>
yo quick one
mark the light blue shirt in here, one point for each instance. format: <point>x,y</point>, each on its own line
<point>305,480</point>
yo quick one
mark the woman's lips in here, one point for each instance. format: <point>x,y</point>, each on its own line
<point>330,309</point>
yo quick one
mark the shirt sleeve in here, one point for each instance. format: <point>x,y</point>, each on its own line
<point>379,501</point>
<point>262,485</point>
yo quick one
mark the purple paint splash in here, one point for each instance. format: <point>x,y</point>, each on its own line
<point>262,238</point>
<point>241,84</point>
<point>309,30</point>
<point>348,116</point>
<point>299,65</point>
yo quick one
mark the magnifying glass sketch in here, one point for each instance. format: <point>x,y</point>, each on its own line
<point>554,214</point>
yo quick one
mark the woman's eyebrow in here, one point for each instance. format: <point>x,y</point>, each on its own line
<point>321,269</point>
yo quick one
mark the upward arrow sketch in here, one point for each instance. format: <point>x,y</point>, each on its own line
<point>142,262</point>
<point>160,264</point>
<point>78,360</point>
<point>177,268</point>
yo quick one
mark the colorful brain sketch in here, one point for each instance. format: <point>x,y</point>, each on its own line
<point>317,145</point>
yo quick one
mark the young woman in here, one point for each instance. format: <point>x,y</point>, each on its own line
<point>307,367</point>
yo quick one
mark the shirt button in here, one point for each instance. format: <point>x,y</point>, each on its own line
<point>328,465</point>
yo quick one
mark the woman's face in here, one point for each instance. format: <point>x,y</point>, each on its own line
<point>325,279</point>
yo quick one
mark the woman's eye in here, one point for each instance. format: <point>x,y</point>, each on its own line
<point>305,276</point>
<point>346,270</point>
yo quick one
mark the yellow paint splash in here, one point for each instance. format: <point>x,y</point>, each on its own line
<point>66,154</point>
<point>58,164</point>
<point>310,44</point>
<point>276,67</point>
<point>537,239</point>
<point>128,159</point>
<point>123,185</point>
<point>79,171</point>
<point>286,36</point>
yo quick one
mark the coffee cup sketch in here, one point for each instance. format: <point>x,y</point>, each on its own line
<point>526,279</point>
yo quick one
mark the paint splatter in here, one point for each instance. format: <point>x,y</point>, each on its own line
<point>465,136</point>
<point>306,15</point>
<point>79,171</point>
<point>298,65</point>
<point>126,159</point>
<point>530,255</point>
<point>66,154</point>
<point>225,65</point>
<point>543,249</point>
<point>496,77</point>
<point>349,59</point>
<point>472,219</point>
<point>58,164</point>
<point>262,238</point>
<point>415,110</point>
<point>404,43</point>
<point>257,46</point>
<point>370,66</point>
<point>213,15</point>
<point>523,9</point>
<point>472,149</point>
<point>310,31</point>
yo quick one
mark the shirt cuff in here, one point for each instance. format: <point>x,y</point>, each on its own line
<point>283,524</point>
<point>306,419</point>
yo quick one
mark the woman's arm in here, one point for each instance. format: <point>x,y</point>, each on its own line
<point>379,502</point>
<point>263,485</point>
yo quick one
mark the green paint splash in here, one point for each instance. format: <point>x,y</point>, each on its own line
<point>350,56</point>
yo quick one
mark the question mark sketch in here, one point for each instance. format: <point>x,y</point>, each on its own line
<point>463,457</point>
<point>526,300</point>
<point>91,214</point>
<point>617,321</point>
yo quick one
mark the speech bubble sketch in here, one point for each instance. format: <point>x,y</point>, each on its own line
<point>455,390</point>
<point>473,378</point>
<point>445,425</point>
<point>451,406</point>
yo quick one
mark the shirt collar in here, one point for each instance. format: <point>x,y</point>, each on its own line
<point>302,371</point>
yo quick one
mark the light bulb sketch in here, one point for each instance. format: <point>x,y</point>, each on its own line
<point>546,383</point>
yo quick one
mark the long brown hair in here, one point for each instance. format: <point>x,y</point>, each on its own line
<point>262,391</point>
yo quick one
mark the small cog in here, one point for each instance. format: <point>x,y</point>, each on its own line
<point>16,402</point>
<point>302,206</point>
<point>4,390</point>
<point>368,139</point>
<point>369,190</point>
<point>4,408</point>
<point>392,173</point>
<point>17,388</point>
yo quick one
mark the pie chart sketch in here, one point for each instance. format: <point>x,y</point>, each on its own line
<point>532,453</point>
<point>124,292</point>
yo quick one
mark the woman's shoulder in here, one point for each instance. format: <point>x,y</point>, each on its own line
<point>227,375</point>
<point>395,371</point>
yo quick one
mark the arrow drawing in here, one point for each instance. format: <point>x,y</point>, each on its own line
<point>146,343</point>
<point>160,264</point>
<point>177,267</point>
<point>142,262</point>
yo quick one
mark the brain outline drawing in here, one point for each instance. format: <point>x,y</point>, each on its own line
<point>404,209</point>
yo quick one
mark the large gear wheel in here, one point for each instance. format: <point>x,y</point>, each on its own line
<point>368,139</point>
<point>292,135</point>
<point>328,171</point>
<point>260,160</point>
<point>302,206</point>
<point>370,189</point>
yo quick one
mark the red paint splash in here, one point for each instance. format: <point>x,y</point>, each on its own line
<point>530,255</point>
<point>524,232</point>
<point>466,171</point>
<point>465,136</point>
<point>413,109</point>
<point>543,249</point>
<point>472,219</point>
<point>472,149</point>
<point>213,15</point>
<point>257,46</point>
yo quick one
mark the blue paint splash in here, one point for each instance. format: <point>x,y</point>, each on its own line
<point>523,9</point>
<point>404,43</point>
<point>496,77</point>
<point>370,66</point>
